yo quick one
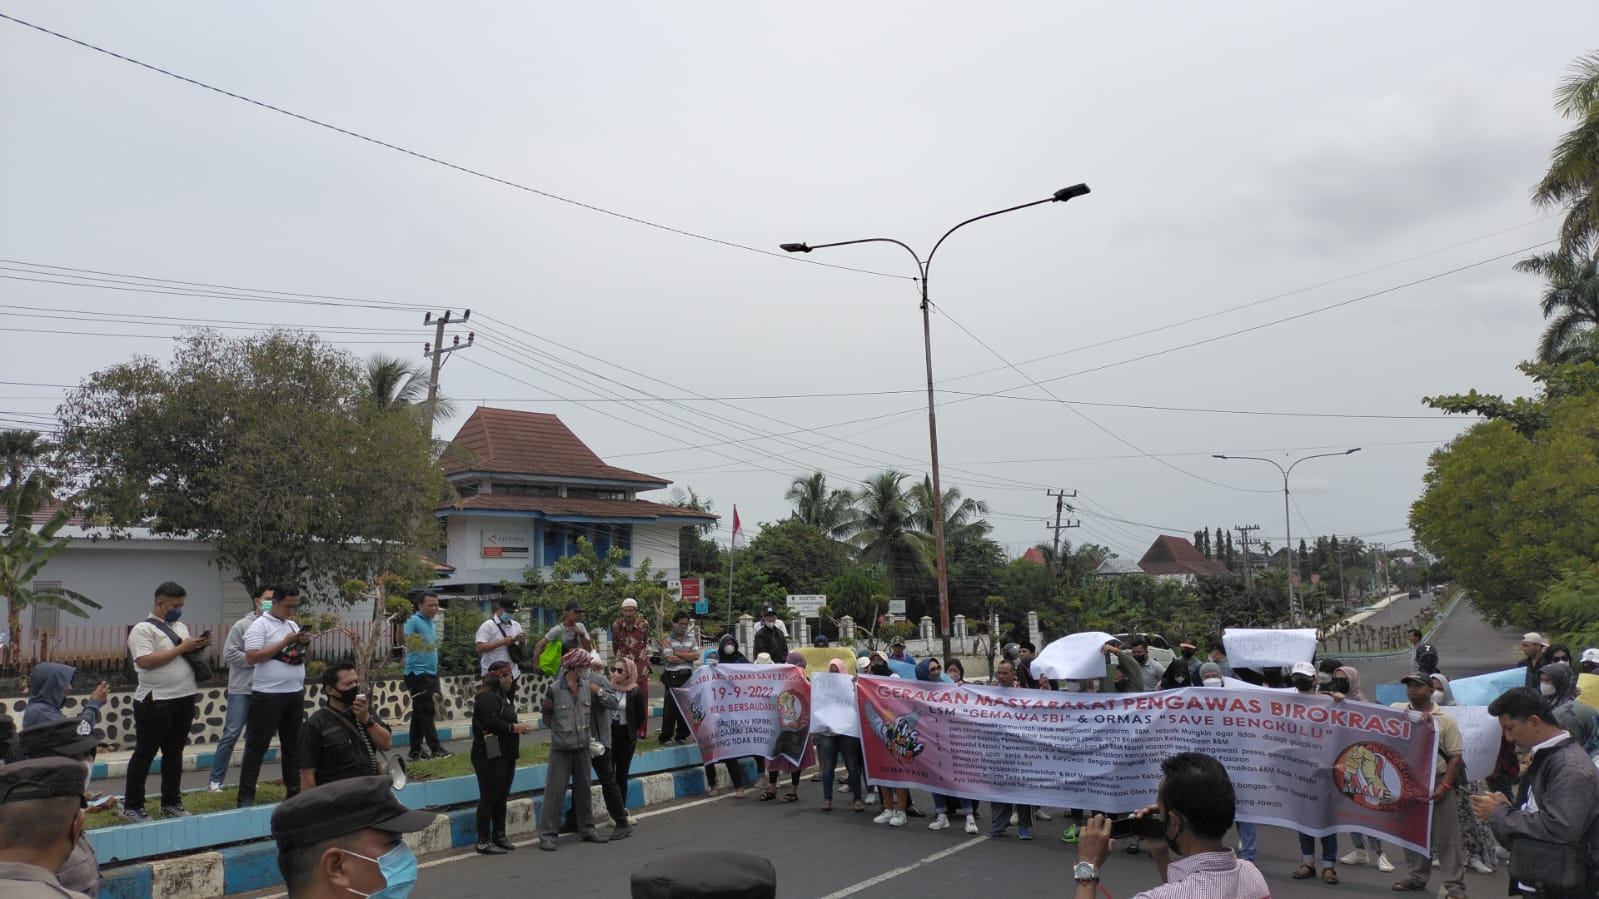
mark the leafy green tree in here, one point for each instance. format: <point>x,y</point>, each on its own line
<point>830,511</point>
<point>1570,304</point>
<point>860,593</point>
<point>22,453</point>
<point>697,554</point>
<point>268,447</point>
<point>798,556</point>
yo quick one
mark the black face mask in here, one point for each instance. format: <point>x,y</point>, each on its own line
<point>1340,686</point>
<point>1171,841</point>
<point>1188,653</point>
<point>348,696</point>
<point>1304,684</point>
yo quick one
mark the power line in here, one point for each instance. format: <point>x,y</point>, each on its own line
<point>442,162</point>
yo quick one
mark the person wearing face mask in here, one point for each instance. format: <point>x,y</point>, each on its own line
<point>343,739</point>
<point>1558,686</point>
<point>41,823</point>
<point>501,638</point>
<point>678,652</point>
<point>276,646</point>
<point>1427,663</point>
<point>568,709</point>
<point>1445,836</point>
<point>344,840</point>
<point>1368,850</point>
<point>163,704</point>
<point>1304,677</point>
<point>1178,675</point>
<point>495,745</point>
<point>1590,660</point>
<point>1188,651</point>
<point>1218,655</point>
<point>1195,806</point>
<point>1152,669</point>
<point>74,740</point>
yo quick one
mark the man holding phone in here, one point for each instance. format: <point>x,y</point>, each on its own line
<point>1193,811</point>
<point>276,646</point>
<point>163,704</point>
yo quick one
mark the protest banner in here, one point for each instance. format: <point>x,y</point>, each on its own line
<point>1481,734</point>
<point>1485,688</point>
<point>1260,647</point>
<point>1296,760</point>
<point>833,705</point>
<point>1588,689</point>
<point>1073,657</point>
<point>747,710</point>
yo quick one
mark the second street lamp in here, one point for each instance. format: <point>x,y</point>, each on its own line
<point>922,268</point>
<point>1288,528</point>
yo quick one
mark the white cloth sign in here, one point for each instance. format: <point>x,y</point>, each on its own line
<point>833,705</point>
<point>1073,657</point>
<point>1257,648</point>
<point>1481,734</point>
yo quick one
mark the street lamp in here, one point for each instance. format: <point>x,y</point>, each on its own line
<point>922,267</point>
<point>1293,598</point>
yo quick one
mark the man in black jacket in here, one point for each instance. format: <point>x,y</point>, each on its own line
<point>770,636</point>
<point>1557,804</point>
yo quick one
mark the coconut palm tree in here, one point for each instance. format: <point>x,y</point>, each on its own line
<point>963,518</point>
<point>393,383</point>
<point>830,511</point>
<point>1570,303</point>
<point>20,455</point>
<point>886,532</point>
<point>1573,177</point>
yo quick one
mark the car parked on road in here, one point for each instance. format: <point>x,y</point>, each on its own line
<point>1415,592</point>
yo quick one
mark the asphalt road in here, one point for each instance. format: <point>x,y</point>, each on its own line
<point>840,853</point>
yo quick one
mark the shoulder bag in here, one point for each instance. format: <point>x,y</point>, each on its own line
<point>196,658</point>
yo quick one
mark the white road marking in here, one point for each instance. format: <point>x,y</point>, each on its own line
<point>890,875</point>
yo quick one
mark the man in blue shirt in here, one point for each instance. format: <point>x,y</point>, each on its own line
<point>422,679</point>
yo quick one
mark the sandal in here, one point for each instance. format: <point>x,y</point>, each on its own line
<point>768,795</point>
<point>859,806</point>
<point>739,793</point>
<point>1405,886</point>
<point>827,805</point>
<point>791,796</point>
<point>1304,872</point>
<point>1328,875</point>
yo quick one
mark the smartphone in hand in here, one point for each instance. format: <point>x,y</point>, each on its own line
<point>1151,827</point>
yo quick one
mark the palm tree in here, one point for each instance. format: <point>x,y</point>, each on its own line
<point>1570,303</point>
<point>20,454</point>
<point>830,511</point>
<point>393,383</point>
<point>886,531</point>
<point>963,518</point>
<point>1573,177</point>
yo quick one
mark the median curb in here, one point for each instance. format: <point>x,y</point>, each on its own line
<point>252,865</point>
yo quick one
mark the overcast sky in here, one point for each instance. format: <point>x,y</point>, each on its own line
<point>1288,156</point>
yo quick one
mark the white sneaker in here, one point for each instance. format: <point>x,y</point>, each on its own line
<point>971,824</point>
<point>898,820</point>
<point>1435,863</point>
<point>1042,815</point>
<point>939,823</point>
<point>1015,819</point>
<point>1356,857</point>
<point>871,797</point>
<point>1383,864</point>
<point>1478,866</point>
<point>213,787</point>
<point>883,816</point>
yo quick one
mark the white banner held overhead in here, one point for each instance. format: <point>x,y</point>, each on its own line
<point>1257,648</point>
<point>1073,657</point>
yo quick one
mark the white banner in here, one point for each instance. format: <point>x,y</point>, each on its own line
<point>1257,648</point>
<point>1073,657</point>
<point>833,705</point>
<point>1481,734</point>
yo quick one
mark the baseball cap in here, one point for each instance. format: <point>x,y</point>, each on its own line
<point>1590,655</point>
<point>630,603</point>
<point>1416,677</point>
<point>63,736</point>
<point>1534,637</point>
<point>768,609</point>
<point>1426,649</point>
<point>1304,668</point>
<point>46,778</point>
<point>335,809</point>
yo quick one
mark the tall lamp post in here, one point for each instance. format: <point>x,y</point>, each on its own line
<point>922,267</point>
<point>1288,528</point>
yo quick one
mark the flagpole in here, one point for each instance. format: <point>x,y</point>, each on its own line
<point>732,544</point>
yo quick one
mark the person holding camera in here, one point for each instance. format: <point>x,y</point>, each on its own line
<point>501,639</point>
<point>163,704</point>
<point>1193,811</point>
<point>276,646</point>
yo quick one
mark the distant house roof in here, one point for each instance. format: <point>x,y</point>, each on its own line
<point>507,441</point>
<point>1034,555</point>
<point>1174,555</point>
<point>559,508</point>
<point>1116,565</point>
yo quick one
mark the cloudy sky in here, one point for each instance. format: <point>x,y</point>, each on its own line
<point>1252,165</point>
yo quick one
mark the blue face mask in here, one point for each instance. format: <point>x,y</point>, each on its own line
<point>398,867</point>
<point>505,617</point>
<point>174,614</point>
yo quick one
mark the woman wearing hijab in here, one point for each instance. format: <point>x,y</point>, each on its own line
<point>878,664</point>
<point>626,717</point>
<point>494,751</point>
<point>1368,850</point>
<point>727,651</point>
<point>829,748</point>
<point>930,669</point>
<point>1559,686</point>
<point>778,765</point>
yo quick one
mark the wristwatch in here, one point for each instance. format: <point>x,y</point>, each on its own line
<point>1085,872</point>
<point>369,723</point>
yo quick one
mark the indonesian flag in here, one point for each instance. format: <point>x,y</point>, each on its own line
<point>738,530</point>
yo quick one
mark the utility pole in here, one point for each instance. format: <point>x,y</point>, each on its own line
<point>1060,506</point>
<point>436,351</point>
<point>1249,567</point>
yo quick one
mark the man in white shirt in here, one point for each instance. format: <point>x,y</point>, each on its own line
<point>498,637</point>
<point>163,704</point>
<point>275,645</point>
<point>241,675</point>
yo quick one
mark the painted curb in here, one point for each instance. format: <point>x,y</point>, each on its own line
<point>253,866</point>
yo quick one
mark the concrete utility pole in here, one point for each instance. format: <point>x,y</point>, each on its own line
<point>1060,505</point>
<point>436,351</point>
<point>1249,567</point>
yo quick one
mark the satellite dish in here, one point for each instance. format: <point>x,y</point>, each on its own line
<point>398,775</point>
